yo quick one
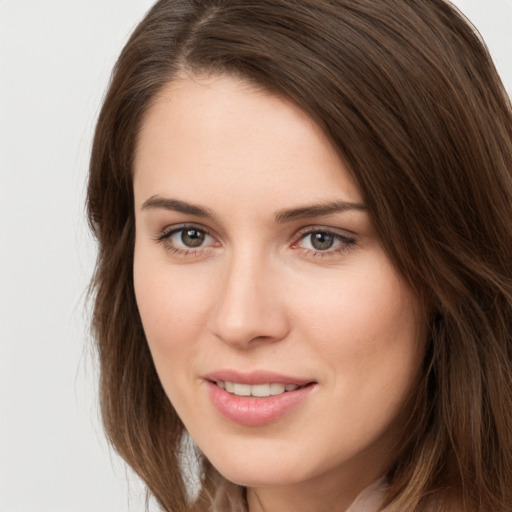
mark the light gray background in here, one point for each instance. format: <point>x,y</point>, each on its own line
<point>55,60</point>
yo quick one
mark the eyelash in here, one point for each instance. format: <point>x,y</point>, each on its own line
<point>344,244</point>
<point>166,235</point>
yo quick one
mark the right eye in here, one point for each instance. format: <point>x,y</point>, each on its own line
<point>186,239</point>
<point>189,237</point>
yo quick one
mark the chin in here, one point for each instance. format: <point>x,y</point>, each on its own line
<point>249,477</point>
<point>254,468</point>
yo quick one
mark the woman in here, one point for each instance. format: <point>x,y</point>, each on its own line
<point>304,216</point>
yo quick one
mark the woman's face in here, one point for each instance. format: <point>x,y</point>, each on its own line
<point>281,333</point>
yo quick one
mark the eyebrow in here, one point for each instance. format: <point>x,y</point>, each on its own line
<point>282,216</point>
<point>157,202</point>
<point>317,210</point>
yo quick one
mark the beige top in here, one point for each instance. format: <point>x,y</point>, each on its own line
<point>370,500</point>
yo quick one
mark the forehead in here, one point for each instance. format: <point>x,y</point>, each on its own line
<point>233,138</point>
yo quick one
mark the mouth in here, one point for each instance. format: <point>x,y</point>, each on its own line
<point>256,390</point>
<point>257,398</point>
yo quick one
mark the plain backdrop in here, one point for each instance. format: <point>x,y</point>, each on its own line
<point>55,61</point>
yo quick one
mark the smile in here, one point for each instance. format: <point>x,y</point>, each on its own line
<point>256,390</point>
<point>257,404</point>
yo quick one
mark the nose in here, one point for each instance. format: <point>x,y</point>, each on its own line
<point>250,306</point>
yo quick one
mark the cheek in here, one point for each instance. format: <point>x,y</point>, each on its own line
<point>365,327</point>
<point>363,307</point>
<point>173,308</point>
<point>366,333</point>
<point>173,304</point>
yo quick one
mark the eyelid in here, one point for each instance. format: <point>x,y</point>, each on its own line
<point>175,228</point>
<point>165,236</point>
<point>344,233</point>
<point>346,238</point>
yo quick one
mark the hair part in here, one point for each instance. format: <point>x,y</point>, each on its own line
<point>410,99</point>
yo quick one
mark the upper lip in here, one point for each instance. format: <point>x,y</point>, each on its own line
<point>255,377</point>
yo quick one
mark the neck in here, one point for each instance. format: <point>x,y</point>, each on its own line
<point>316,495</point>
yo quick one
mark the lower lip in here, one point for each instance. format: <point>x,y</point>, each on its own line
<point>256,411</point>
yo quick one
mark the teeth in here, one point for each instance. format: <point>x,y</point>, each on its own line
<point>277,389</point>
<point>258,390</point>
<point>242,389</point>
<point>261,390</point>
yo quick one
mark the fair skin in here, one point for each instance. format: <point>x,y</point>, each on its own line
<point>242,274</point>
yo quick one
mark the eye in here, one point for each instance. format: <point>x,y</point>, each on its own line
<point>185,240</point>
<point>320,240</point>
<point>324,241</point>
<point>190,237</point>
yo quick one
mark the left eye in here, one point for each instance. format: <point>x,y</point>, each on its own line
<point>323,240</point>
<point>189,238</point>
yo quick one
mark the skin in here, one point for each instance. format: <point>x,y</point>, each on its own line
<point>258,294</point>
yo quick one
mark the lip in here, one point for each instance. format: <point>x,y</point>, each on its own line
<point>255,377</point>
<point>256,411</point>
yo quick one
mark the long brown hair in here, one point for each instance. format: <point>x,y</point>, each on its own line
<point>408,95</point>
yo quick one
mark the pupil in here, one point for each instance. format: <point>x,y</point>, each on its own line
<point>322,241</point>
<point>192,237</point>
